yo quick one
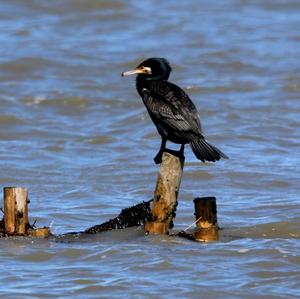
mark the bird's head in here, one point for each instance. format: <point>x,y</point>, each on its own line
<point>152,69</point>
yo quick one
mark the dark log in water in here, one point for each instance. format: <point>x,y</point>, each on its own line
<point>165,195</point>
<point>132,216</point>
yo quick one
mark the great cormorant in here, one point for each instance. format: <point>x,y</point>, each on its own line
<point>171,110</point>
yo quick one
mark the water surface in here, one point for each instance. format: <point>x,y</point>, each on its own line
<point>77,136</point>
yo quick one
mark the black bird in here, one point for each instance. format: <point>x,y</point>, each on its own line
<point>172,111</point>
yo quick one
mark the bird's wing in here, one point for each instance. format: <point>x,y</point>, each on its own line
<point>171,105</point>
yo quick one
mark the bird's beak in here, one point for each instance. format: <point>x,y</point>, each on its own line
<point>139,70</point>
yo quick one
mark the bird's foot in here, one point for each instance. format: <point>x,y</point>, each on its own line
<point>158,158</point>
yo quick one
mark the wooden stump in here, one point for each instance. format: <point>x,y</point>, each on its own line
<point>206,217</point>
<point>165,194</point>
<point>43,232</point>
<point>15,210</point>
<point>15,222</point>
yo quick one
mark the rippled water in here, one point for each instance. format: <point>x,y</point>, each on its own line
<point>77,135</point>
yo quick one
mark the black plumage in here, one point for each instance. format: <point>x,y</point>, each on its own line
<point>171,110</point>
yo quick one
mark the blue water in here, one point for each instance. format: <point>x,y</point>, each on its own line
<point>78,137</point>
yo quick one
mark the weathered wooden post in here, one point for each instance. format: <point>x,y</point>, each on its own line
<point>206,219</point>
<point>165,194</point>
<point>15,221</point>
<point>15,210</point>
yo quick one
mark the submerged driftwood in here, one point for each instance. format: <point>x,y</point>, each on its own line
<point>129,217</point>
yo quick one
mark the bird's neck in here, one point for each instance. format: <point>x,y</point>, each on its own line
<point>144,82</point>
<point>140,84</point>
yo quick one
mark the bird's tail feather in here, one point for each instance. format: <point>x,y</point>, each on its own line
<point>205,151</point>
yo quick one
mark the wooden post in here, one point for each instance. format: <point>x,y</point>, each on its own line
<point>15,210</point>
<point>165,195</point>
<point>206,217</point>
<point>15,221</point>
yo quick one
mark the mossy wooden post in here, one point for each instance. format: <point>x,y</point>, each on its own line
<point>165,194</point>
<point>15,210</point>
<point>206,216</point>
